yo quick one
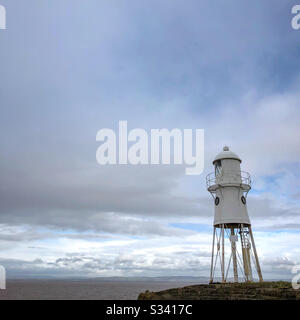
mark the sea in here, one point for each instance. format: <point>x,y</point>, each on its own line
<point>86,289</point>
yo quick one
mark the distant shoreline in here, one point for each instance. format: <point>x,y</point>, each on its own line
<point>126,279</point>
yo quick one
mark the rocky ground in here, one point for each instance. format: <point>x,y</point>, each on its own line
<point>279,290</point>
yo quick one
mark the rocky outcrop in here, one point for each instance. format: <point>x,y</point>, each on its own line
<point>228,291</point>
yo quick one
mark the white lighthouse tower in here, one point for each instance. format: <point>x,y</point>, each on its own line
<point>229,187</point>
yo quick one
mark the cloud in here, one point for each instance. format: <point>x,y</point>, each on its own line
<point>175,65</point>
<point>152,258</point>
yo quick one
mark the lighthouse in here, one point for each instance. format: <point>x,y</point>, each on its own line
<point>232,233</point>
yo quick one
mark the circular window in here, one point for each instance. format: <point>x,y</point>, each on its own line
<point>243,199</point>
<point>217,201</point>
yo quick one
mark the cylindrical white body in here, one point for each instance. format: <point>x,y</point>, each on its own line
<point>230,209</point>
<point>230,203</point>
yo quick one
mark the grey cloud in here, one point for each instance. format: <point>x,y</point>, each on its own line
<point>96,227</point>
<point>279,262</point>
<point>87,199</point>
<point>189,65</point>
<point>284,226</point>
<point>264,207</point>
<point>51,177</point>
<point>279,267</point>
<point>132,265</point>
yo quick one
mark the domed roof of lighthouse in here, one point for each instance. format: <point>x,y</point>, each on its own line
<point>226,154</point>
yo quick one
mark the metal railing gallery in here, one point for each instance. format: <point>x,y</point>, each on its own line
<point>243,177</point>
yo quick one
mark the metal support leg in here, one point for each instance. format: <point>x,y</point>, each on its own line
<point>255,255</point>
<point>234,261</point>
<point>246,254</point>
<point>212,257</point>
<point>223,256</point>
<point>243,252</point>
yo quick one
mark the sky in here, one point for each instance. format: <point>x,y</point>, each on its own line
<point>70,68</point>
